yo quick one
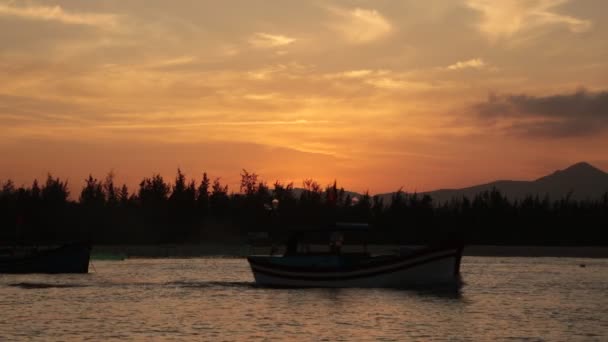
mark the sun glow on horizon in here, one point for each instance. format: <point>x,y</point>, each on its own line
<point>377,95</point>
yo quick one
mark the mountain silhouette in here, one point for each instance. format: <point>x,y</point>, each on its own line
<point>580,181</point>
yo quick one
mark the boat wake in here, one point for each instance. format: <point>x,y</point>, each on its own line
<point>35,286</point>
<point>212,284</point>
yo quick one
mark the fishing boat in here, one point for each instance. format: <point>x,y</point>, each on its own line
<point>67,258</point>
<point>299,266</point>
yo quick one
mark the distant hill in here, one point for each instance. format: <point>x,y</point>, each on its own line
<point>581,181</point>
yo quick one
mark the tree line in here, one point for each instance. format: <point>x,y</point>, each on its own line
<point>189,211</point>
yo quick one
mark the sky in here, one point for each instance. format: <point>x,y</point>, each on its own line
<point>377,94</point>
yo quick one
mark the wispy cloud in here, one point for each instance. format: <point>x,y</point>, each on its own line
<point>265,72</point>
<point>289,70</point>
<point>139,126</point>
<point>381,79</point>
<point>171,62</point>
<point>355,74</point>
<point>506,18</point>
<point>261,97</point>
<point>266,40</point>
<point>58,14</point>
<point>475,63</point>
<point>360,25</point>
<point>389,83</point>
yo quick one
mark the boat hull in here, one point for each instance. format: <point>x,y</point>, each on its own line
<point>73,258</point>
<point>427,267</point>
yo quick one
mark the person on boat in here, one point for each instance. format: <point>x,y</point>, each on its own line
<point>335,242</point>
<point>273,249</point>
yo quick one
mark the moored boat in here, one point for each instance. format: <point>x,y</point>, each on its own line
<point>431,265</point>
<point>68,258</point>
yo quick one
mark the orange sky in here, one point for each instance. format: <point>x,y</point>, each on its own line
<point>376,94</point>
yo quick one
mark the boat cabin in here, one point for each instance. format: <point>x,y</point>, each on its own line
<point>341,238</point>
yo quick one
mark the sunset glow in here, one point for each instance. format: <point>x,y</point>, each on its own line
<point>375,94</point>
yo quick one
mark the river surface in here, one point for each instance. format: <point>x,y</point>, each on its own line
<point>210,299</point>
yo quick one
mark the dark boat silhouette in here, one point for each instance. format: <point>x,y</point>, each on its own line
<point>67,258</point>
<point>431,265</point>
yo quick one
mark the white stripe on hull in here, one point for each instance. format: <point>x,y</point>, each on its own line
<point>436,271</point>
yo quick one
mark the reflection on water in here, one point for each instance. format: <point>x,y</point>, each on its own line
<point>31,285</point>
<point>205,299</point>
<point>203,284</point>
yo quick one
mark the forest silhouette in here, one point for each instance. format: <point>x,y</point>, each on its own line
<point>186,211</point>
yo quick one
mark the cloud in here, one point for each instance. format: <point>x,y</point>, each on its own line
<point>381,79</point>
<point>582,113</point>
<point>265,73</point>
<point>357,73</point>
<point>399,83</point>
<point>506,18</point>
<point>360,25</point>
<point>58,14</point>
<point>140,126</point>
<point>261,97</point>
<point>173,62</point>
<point>476,63</point>
<point>265,40</point>
<point>27,109</point>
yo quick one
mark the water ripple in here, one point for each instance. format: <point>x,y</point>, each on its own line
<point>216,299</point>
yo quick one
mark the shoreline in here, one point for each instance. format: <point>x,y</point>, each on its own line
<point>241,251</point>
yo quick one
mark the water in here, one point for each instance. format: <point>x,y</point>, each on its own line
<point>552,299</point>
